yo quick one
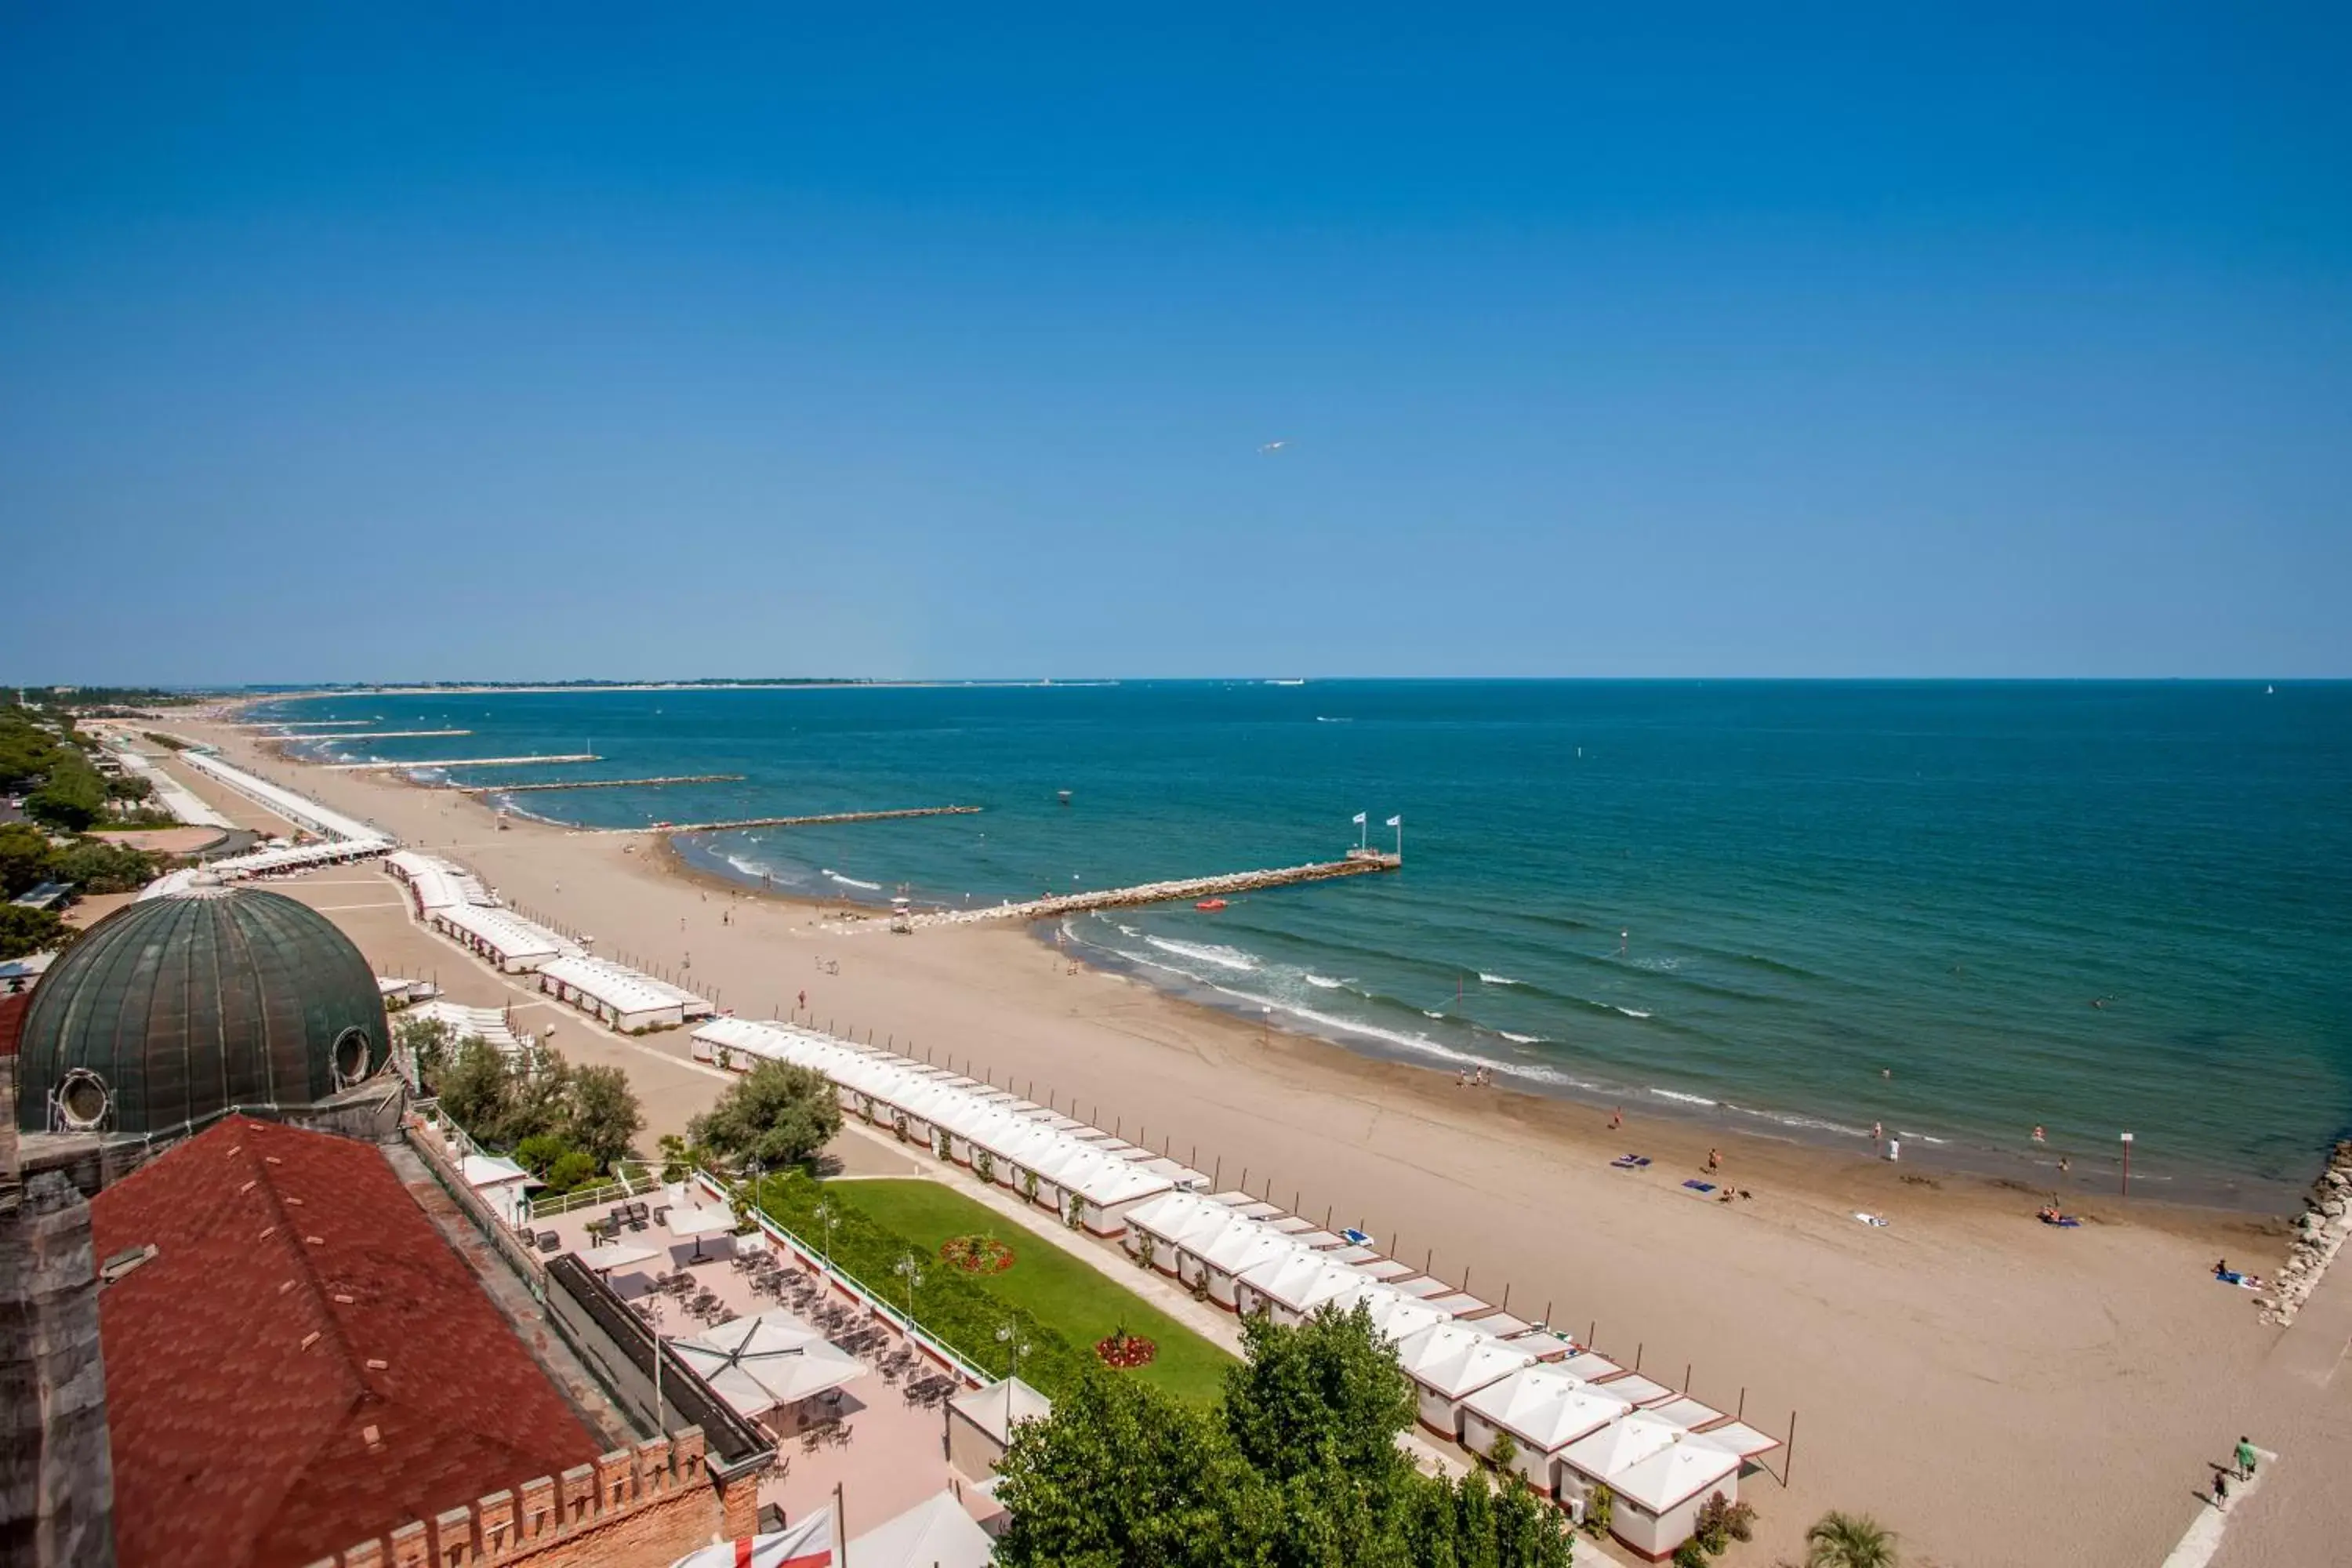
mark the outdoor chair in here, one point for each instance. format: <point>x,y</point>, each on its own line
<point>549,1241</point>
<point>661,1214</point>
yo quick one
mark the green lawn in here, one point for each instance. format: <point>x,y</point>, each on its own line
<point>1062,1291</point>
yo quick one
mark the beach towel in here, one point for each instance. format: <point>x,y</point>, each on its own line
<point>1700,1186</point>
<point>1630,1161</point>
<point>1869,1218</point>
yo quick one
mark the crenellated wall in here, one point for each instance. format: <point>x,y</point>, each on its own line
<point>651,1503</point>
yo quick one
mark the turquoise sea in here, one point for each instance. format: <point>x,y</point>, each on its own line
<point>1958,910</point>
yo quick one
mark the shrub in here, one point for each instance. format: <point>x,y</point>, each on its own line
<point>1599,1509</point>
<point>24,931</point>
<point>983,1165</point>
<point>1690,1554</point>
<point>1029,1185</point>
<point>1722,1522</point>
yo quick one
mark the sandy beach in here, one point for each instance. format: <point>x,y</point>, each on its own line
<point>1995,1390</point>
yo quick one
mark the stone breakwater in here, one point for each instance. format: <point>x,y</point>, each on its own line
<point>1357,864</point>
<point>2320,1233</point>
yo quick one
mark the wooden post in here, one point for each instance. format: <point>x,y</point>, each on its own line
<point>1244,1181</point>
<point>1638,1347</point>
<point>1742,1414</point>
<point>1428,1256</point>
<point>1507,1295</point>
<point>1220,1172</point>
<point>1686,1372</point>
<point>1788,1449</point>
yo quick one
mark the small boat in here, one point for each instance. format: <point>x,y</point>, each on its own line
<point>1212,905</point>
<point>1064,796</point>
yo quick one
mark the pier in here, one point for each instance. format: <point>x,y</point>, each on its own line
<point>598,784</point>
<point>815,821</point>
<point>1357,864</point>
<point>461,763</point>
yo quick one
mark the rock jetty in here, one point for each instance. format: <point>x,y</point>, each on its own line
<point>2320,1233</point>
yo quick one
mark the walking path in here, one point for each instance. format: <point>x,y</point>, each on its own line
<point>2204,1538</point>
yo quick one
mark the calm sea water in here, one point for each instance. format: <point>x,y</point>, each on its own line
<point>1957,910</point>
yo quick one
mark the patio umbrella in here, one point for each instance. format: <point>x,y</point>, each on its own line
<point>758,1362</point>
<point>698,1224</point>
<point>603,1259</point>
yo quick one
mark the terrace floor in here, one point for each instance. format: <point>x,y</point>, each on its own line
<point>884,1446</point>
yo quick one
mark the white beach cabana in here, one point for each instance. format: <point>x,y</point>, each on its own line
<point>513,944</point>
<point>1658,1496</point>
<point>619,996</point>
<point>1233,1251</point>
<point>1293,1286</point>
<point>1448,1361</point>
<point>1544,1410</point>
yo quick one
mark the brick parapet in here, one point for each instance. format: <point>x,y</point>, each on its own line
<point>652,1503</point>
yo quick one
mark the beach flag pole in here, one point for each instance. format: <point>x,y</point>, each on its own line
<point>1397,822</point>
<point>1361,817</point>
<point>2127,1143</point>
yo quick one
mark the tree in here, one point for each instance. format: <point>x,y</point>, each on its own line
<point>95,866</point>
<point>430,1044</point>
<point>1325,1393</point>
<point>605,1114</point>
<point>1848,1541</point>
<point>74,796</point>
<point>24,859</point>
<point>777,1113</point>
<point>473,1086</point>
<point>24,931</point>
<point>1123,1475</point>
<point>128,786</point>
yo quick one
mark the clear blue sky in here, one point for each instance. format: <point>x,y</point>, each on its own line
<point>507,342</point>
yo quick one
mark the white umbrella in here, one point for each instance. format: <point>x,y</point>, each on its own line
<point>768,1359</point>
<point>603,1259</point>
<point>698,1224</point>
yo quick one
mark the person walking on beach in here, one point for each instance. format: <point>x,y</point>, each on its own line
<point>803,1001</point>
<point>2246,1457</point>
<point>1616,1118</point>
<point>1714,1159</point>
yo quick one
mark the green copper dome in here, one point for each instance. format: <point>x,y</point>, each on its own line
<point>172,1011</point>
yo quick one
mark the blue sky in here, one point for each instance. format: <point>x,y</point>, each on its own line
<point>347,342</point>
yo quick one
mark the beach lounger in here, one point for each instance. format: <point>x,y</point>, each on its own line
<point>1870,1218</point>
<point>1699,1186</point>
<point>1629,1162</point>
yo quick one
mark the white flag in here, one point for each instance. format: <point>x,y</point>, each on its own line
<point>1396,822</point>
<point>1358,819</point>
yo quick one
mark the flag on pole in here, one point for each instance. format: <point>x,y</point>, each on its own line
<point>807,1544</point>
<point>1397,821</point>
<point>1358,819</point>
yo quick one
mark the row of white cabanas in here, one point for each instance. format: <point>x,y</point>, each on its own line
<point>342,839</point>
<point>176,796</point>
<point>434,883</point>
<point>296,808</point>
<point>626,998</point>
<point>1051,1160</point>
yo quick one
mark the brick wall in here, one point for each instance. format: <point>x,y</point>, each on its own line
<point>633,1506</point>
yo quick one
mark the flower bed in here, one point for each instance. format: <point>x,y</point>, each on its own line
<point>1125,1350</point>
<point>977,1254</point>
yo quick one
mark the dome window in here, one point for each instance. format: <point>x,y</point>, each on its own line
<point>82,1101</point>
<point>350,1057</point>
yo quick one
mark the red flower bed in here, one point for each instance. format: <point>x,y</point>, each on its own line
<point>1125,1350</point>
<point>977,1254</point>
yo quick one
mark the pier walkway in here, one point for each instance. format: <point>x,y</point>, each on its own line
<point>1355,865</point>
<point>820,818</point>
<point>459,762</point>
<point>597,784</point>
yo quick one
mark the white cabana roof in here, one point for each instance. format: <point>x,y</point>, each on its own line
<point>1398,1318</point>
<point>1545,1408</point>
<point>1619,1445</point>
<point>1640,1390</point>
<point>1303,1279</point>
<point>1241,1246</point>
<point>934,1533</point>
<point>1685,1411</point>
<point>622,989</point>
<point>1741,1438</point>
<point>1455,1358</point>
<point>1589,1365</point>
<point>298,809</point>
<point>1000,1406</point>
<point>1676,1474</point>
<point>503,931</point>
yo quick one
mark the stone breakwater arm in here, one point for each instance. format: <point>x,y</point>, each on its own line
<point>2318,1235</point>
<point>597,784</point>
<point>1157,892</point>
<point>798,821</point>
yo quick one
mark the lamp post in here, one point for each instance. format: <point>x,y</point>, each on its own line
<point>825,1213</point>
<point>914,1277</point>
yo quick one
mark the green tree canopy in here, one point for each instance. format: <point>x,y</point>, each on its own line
<point>1848,1541</point>
<point>778,1114</point>
<point>24,931</point>
<point>1325,1393</point>
<point>25,858</point>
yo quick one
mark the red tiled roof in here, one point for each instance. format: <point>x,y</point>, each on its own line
<point>306,1362</point>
